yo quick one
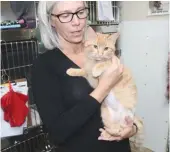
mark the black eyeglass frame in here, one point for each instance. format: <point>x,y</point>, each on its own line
<point>75,13</point>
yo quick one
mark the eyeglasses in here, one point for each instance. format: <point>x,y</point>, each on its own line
<point>67,17</point>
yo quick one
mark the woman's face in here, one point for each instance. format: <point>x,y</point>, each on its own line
<point>71,30</point>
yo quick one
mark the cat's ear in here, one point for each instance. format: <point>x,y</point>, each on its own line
<point>113,37</point>
<point>99,34</point>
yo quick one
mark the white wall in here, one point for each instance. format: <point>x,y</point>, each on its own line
<point>144,50</point>
<point>138,11</point>
<point>145,44</point>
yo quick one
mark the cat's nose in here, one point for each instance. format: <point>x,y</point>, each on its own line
<point>100,54</point>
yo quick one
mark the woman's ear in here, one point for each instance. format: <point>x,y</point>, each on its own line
<point>52,20</point>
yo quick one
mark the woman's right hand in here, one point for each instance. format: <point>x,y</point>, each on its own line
<point>111,75</point>
<point>108,79</point>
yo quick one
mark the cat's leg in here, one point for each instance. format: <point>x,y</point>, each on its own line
<point>126,94</point>
<point>128,98</point>
<point>99,68</point>
<point>76,72</point>
<point>114,130</point>
<point>104,135</point>
<point>130,90</point>
<point>110,123</point>
<point>125,90</point>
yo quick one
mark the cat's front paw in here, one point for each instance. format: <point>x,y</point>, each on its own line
<point>96,72</point>
<point>71,72</point>
<point>76,72</point>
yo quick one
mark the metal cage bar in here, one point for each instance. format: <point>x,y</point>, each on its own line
<point>93,14</point>
<point>16,58</point>
<point>36,143</point>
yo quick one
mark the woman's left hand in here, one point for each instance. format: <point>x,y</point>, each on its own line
<point>126,133</point>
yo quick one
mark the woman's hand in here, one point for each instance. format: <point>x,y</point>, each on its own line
<point>112,74</point>
<point>108,80</point>
<point>127,132</point>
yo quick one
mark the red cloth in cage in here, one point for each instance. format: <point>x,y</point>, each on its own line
<point>14,107</point>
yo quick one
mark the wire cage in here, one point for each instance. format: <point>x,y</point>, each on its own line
<point>93,21</point>
<point>33,140</point>
<point>16,60</point>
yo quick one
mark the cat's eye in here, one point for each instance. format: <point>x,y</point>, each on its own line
<point>95,46</point>
<point>106,48</point>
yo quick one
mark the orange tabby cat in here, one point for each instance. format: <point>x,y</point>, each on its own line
<point>121,101</point>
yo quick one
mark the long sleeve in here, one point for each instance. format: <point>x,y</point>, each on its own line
<point>61,123</point>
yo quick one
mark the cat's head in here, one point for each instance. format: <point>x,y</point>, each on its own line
<point>101,47</point>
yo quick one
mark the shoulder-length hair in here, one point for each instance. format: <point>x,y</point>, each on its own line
<point>49,36</point>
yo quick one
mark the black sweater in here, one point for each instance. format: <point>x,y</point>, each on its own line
<point>70,114</point>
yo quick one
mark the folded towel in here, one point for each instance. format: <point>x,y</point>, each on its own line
<point>104,11</point>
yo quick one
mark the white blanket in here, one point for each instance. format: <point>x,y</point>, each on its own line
<point>104,11</point>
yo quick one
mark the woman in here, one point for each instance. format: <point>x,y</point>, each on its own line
<point>68,106</point>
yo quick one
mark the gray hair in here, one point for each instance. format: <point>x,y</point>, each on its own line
<point>49,36</point>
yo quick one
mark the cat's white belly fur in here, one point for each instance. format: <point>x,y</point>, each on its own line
<point>116,110</point>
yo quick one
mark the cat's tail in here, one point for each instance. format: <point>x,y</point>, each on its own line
<point>137,141</point>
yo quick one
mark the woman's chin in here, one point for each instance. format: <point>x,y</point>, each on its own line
<point>77,39</point>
